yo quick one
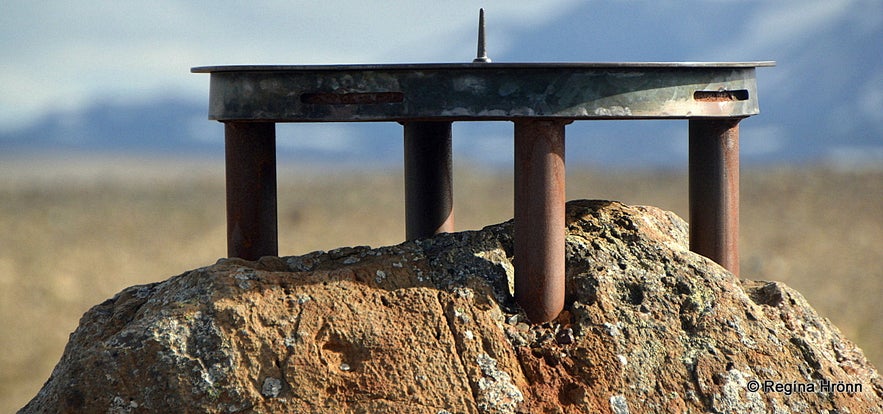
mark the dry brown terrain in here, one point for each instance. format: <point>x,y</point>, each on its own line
<point>74,233</point>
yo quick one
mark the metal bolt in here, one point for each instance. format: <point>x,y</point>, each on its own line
<point>482,47</point>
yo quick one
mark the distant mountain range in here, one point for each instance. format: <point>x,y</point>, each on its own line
<point>822,103</point>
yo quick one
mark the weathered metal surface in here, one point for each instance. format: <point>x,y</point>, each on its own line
<point>429,192</point>
<point>499,91</point>
<point>714,190</point>
<point>539,218</point>
<point>251,189</point>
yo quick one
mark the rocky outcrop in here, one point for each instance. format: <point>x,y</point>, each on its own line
<point>430,327</point>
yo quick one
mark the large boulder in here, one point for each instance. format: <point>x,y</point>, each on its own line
<point>430,326</point>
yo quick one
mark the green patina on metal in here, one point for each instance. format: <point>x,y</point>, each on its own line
<point>475,92</point>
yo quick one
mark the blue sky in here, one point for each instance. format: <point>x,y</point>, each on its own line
<point>59,56</point>
<point>62,54</point>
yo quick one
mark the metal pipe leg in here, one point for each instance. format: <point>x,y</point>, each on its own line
<point>714,190</point>
<point>429,199</point>
<point>251,189</point>
<point>539,218</point>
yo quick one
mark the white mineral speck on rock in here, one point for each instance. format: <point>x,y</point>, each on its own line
<point>120,405</point>
<point>612,329</point>
<point>290,340</point>
<point>465,293</point>
<point>243,274</point>
<point>497,392</point>
<point>380,276</point>
<point>271,388</point>
<point>733,395</point>
<point>461,315</point>
<point>619,405</point>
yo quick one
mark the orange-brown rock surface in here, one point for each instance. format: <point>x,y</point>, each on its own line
<point>430,327</point>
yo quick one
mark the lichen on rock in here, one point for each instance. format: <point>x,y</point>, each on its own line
<point>431,326</point>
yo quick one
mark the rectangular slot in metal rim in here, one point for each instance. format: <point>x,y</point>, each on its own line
<point>721,96</point>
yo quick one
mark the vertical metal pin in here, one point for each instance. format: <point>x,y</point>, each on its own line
<point>482,47</point>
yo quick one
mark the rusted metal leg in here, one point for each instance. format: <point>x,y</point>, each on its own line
<point>251,189</point>
<point>429,199</point>
<point>539,218</point>
<point>714,190</point>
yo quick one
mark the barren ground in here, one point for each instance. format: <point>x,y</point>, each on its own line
<point>74,233</point>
